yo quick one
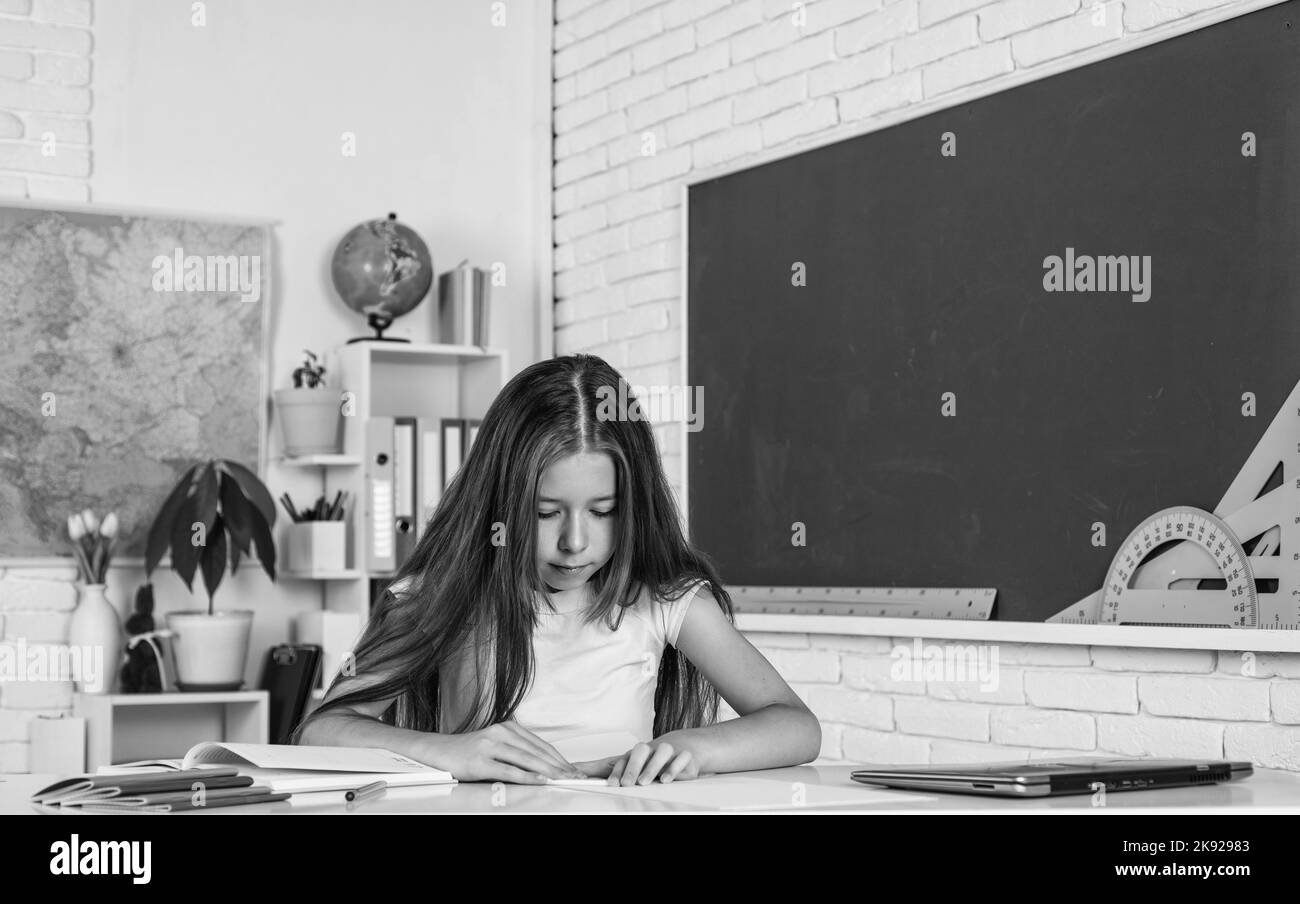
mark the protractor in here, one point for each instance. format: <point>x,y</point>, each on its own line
<point>1233,606</point>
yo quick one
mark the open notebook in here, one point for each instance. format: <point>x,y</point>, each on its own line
<point>295,768</point>
<point>583,748</point>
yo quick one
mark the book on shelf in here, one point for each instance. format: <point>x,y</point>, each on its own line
<point>380,497</point>
<point>410,461</point>
<point>404,485</point>
<point>428,483</point>
<point>441,446</point>
<point>453,429</point>
<point>298,768</point>
<point>458,436</point>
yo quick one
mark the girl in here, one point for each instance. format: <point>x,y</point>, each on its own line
<point>552,597</point>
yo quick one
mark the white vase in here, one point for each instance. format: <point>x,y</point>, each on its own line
<point>96,631</point>
<point>210,649</point>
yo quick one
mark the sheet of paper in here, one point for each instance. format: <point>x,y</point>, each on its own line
<point>596,746</point>
<point>725,792</point>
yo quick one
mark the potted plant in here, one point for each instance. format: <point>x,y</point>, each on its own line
<point>309,416</point>
<point>218,512</point>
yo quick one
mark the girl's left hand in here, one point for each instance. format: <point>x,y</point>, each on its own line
<point>643,764</point>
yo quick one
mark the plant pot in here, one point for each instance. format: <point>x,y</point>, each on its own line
<point>96,631</point>
<point>210,650</point>
<point>309,421</point>
<point>316,546</point>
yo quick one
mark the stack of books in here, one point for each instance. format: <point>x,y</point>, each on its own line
<point>157,792</point>
<point>221,774</point>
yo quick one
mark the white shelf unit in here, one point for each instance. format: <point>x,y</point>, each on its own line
<point>345,574</point>
<point>333,468</point>
<point>122,728</point>
<point>334,460</point>
<point>398,379</point>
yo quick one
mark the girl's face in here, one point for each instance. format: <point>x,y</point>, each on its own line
<point>575,519</point>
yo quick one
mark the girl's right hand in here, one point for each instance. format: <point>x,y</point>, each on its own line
<point>503,752</point>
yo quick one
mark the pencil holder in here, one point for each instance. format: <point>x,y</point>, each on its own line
<point>464,306</point>
<point>316,546</point>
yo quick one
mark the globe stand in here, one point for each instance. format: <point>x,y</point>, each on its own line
<point>378,323</point>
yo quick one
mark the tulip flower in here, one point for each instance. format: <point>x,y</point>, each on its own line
<point>92,544</point>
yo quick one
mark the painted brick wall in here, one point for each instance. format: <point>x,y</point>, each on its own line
<point>648,91</point>
<point>45,73</point>
<point>1047,700</point>
<point>35,607</point>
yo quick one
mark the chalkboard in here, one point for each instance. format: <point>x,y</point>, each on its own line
<point>823,403</point>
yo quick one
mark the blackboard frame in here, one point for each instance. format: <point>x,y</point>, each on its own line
<point>1017,631</point>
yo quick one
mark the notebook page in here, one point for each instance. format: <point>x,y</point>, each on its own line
<point>317,759</point>
<point>595,746</point>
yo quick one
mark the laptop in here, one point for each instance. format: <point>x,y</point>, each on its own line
<point>1044,778</point>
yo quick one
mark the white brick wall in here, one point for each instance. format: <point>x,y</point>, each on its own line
<point>1092,691</point>
<point>35,606</point>
<point>1171,702</point>
<point>45,101</point>
<point>716,82</point>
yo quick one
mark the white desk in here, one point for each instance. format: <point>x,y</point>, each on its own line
<point>1268,790</point>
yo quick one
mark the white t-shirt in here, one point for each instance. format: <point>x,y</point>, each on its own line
<point>591,680</point>
<point>587,679</point>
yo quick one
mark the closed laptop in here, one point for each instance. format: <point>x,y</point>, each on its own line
<point>1042,778</point>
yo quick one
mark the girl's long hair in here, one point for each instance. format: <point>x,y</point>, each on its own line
<point>473,577</point>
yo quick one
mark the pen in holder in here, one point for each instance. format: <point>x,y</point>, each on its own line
<point>318,535</point>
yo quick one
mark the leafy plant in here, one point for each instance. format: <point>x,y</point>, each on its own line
<point>310,373</point>
<point>218,511</point>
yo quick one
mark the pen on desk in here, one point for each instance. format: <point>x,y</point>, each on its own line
<point>374,789</point>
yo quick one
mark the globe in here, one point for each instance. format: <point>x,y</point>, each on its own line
<point>382,269</point>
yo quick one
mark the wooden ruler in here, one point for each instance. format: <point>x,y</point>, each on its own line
<point>964,603</point>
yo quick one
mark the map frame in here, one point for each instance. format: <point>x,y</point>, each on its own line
<point>59,555</point>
